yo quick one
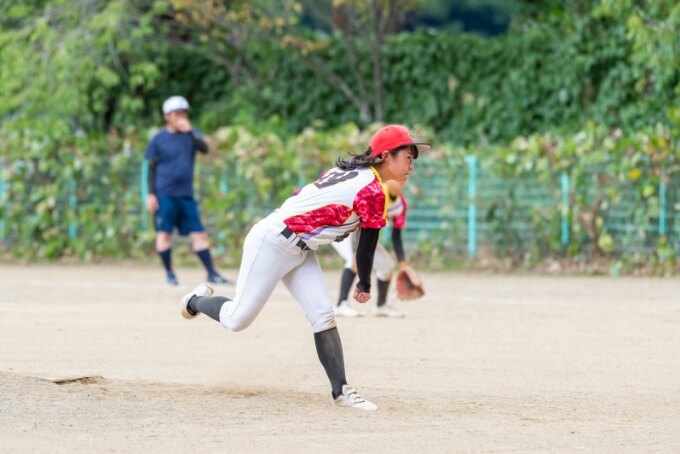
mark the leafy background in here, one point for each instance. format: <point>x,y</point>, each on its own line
<point>589,89</point>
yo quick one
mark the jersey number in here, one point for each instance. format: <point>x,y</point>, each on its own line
<point>334,177</point>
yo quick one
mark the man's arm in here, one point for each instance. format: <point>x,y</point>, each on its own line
<point>199,143</point>
<point>151,199</point>
<point>151,177</point>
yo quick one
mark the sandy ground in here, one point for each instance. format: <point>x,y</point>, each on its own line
<point>97,359</point>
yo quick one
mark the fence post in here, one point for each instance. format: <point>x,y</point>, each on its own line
<point>73,203</point>
<point>143,192</point>
<point>565,209</point>
<point>3,203</point>
<point>224,188</point>
<point>662,204</point>
<point>301,176</point>
<point>472,206</point>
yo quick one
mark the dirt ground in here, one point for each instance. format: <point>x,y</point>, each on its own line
<point>98,359</point>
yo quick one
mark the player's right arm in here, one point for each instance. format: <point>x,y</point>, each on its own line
<point>151,199</point>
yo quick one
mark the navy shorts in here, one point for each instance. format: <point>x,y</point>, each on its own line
<point>180,212</point>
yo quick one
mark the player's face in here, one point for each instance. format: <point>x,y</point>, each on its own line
<point>400,165</point>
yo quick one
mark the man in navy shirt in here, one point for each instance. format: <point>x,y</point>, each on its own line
<point>171,154</point>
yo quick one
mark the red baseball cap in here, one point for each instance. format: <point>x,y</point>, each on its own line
<point>391,137</point>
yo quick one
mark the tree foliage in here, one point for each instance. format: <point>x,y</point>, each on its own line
<point>81,64</point>
<point>81,81</point>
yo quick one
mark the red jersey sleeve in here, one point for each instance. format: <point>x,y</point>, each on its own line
<point>369,205</point>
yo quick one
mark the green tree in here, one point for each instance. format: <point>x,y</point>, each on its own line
<point>82,65</point>
<point>652,26</point>
<point>232,35</point>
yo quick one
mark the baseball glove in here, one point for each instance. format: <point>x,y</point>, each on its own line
<point>408,285</point>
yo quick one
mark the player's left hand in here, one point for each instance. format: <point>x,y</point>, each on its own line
<point>361,297</point>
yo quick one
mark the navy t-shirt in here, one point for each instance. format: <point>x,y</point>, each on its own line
<point>175,155</point>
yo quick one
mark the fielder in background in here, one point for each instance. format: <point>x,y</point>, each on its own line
<point>281,247</point>
<point>384,264</point>
<point>172,154</point>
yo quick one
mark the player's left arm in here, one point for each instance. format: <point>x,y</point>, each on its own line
<point>370,206</point>
<point>368,240</point>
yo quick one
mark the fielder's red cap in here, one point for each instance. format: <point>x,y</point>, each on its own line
<point>391,137</point>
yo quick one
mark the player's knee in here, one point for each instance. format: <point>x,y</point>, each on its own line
<point>324,321</point>
<point>235,324</point>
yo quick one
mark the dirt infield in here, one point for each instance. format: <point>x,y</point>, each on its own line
<point>98,359</point>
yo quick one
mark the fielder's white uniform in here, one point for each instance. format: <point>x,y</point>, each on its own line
<point>383,261</point>
<point>281,246</point>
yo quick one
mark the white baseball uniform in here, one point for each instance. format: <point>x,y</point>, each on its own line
<point>281,246</point>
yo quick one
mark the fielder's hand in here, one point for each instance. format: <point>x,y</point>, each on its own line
<point>151,203</point>
<point>361,297</point>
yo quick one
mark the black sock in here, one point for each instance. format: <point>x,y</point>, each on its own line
<point>383,287</point>
<point>166,258</point>
<point>329,349</point>
<point>206,259</point>
<point>346,284</point>
<point>209,305</point>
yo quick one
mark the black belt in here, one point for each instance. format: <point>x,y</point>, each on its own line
<point>301,244</point>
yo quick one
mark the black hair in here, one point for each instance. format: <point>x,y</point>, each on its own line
<point>366,160</point>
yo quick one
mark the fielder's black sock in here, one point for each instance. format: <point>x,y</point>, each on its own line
<point>166,258</point>
<point>346,282</point>
<point>209,305</point>
<point>329,349</point>
<point>206,259</point>
<point>383,287</point>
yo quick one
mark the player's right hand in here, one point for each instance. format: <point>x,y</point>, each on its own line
<point>151,203</point>
<point>361,297</point>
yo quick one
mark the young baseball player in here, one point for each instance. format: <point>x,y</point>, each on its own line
<point>383,263</point>
<point>282,246</point>
<point>171,154</point>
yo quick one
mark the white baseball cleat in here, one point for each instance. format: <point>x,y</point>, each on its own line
<point>201,290</point>
<point>345,310</point>
<point>351,398</point>
<point>387,311</point>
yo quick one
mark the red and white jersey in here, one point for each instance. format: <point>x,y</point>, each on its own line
<point>336,204</point>
<point>396,212</point>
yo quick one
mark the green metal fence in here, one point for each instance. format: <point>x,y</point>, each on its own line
<point>458,216</point>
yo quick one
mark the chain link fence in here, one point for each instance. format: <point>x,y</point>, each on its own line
<point>457,216</point>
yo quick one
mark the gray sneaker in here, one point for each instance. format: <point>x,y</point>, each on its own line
<point>200,290</point>
<point>351,398</point>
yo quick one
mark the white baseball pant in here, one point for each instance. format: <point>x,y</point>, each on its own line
<point>269,257</point>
